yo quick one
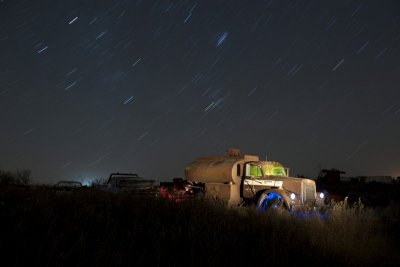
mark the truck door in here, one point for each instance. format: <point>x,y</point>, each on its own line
<point>252,172</point>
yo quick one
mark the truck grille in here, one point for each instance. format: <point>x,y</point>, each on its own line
<point>309,194</point>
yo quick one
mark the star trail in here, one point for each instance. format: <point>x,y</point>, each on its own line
<point>93,87</point>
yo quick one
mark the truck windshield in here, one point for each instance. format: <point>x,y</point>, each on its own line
<point>278,171</point>
<point>274,170</point>
<point>255,171</point>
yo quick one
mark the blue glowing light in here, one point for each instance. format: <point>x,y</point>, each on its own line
<point>273,200</point>
<point>86,182</point>
<point>311,215</point>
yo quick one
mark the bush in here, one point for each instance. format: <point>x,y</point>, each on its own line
<point>19,177</point>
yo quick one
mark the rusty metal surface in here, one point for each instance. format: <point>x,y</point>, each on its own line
<point>216,169</point>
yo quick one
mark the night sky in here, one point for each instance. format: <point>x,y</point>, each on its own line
<point>93,87</point>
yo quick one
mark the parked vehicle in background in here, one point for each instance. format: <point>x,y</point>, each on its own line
<point>129,182</point>
<point>369,190</point>
<point>69,186</point>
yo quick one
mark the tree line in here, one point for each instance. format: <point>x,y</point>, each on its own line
<point>18,177</point>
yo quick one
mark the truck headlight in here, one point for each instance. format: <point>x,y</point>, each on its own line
<point>321,195</point>
<point>292,196</point>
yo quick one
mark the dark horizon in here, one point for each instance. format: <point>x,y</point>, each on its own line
<point>87,89</point>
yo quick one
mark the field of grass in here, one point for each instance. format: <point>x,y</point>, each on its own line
<point>46,228</point>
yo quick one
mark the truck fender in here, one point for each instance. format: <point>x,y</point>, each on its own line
<point>264,193</point>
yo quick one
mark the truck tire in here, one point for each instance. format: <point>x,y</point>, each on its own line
<point>270,201</point>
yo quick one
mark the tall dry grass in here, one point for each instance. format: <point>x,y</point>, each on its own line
<point>42,227</point>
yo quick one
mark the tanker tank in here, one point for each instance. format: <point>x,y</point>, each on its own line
<point>226,169</point>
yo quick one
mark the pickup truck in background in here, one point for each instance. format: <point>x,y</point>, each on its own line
<point>128,183</point>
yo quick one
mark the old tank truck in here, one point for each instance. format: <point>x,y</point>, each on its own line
<point>245,180</point>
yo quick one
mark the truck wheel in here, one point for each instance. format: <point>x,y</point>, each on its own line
<point>269,201</point>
